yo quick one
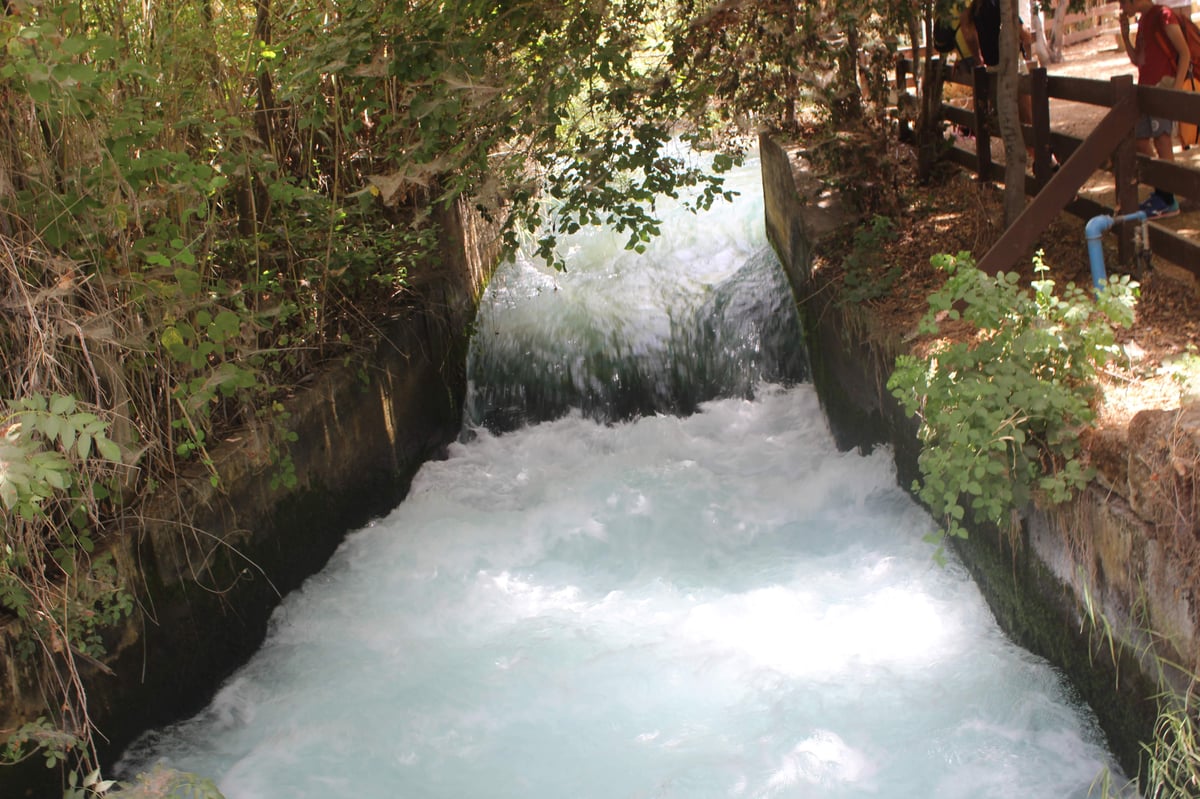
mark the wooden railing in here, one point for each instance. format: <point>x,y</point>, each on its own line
<point>1108,148</point>
<point>1097,20</point>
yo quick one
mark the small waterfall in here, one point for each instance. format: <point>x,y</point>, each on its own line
<point>621,335</point>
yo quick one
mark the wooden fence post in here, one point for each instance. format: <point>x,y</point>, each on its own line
<point>1040,101</point>
<point>983,133</point>
<point>1125,174</point>
<point>1016,242</point>
<point>905,132</point>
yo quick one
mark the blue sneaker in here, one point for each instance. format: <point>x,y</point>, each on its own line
<point>1157,208</point>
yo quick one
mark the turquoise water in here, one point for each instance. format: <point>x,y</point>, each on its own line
<point>712,605</point>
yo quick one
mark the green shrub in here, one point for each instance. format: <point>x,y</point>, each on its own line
<point>1001,410</point>
<point>867,275</point>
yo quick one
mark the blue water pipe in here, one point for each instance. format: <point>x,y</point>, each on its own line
<point>1096,227</point>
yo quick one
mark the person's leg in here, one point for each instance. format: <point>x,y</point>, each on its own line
<point>1143,135</point>
<point>1165,150</point>
<point>1153,138</point>
<point>1163,146</point>
<point>1025,113</point>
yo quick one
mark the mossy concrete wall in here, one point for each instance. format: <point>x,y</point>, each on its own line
<point>1063,569</point>
<point>209,565</point>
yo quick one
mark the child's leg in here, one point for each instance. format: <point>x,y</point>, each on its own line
<point>1163,147</point>
<point>1165,151</point>
<point>1153,138</point>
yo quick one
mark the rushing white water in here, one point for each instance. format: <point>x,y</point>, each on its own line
<point>716,605</point>
<point>706,312</point>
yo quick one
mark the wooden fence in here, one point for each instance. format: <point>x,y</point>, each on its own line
<point>1097,19</point>
<point>1108,148</point>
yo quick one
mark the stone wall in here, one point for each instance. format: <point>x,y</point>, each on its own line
<point>208,565</point>
<point>1075,579</point>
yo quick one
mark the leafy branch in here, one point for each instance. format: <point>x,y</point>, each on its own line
<point>58,468</point>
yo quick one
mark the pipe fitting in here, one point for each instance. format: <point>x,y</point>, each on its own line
<point>1095,229</point>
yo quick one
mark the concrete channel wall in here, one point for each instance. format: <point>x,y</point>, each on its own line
<point>209,565</point>
<point>1076,578</point>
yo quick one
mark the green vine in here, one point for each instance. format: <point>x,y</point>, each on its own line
<point>58,471</point>
<point>867,274</point>
<point>1000,411</point>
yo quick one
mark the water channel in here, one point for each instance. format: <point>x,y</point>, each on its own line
<point>601,595</point>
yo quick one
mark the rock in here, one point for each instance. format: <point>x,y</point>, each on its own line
<point>1164,457</point>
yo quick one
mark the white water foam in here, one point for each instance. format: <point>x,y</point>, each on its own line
<point>703,313</point>
<point>715,606</point>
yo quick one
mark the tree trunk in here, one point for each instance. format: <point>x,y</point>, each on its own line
<point>1039,34</point>
<point>929,117</point>
<point>1059,33</point>
<point>1008,114</point>
<point>847,102</point>
<point>790,82</point>
<point>914,38</point>
<point>251,204</point>
<point>266,92</point>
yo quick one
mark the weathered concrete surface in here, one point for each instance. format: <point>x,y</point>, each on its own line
<point>1095,556</point>
<point>208,566</point>
<point>1137,550</point>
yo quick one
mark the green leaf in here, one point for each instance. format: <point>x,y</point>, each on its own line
<point>225,326</point>
<point>61,405</point>
<point>51,427</point>
<point>188,279</point>
<point>171,339</point>
<point>1022,388</point>
<point>56,479</point>
<point>39,91</point>
<point>8,492</point>
<point>108,449</point>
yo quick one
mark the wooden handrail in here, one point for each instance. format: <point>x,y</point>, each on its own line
<point>1115,127</point>
<point>1128,167</point>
